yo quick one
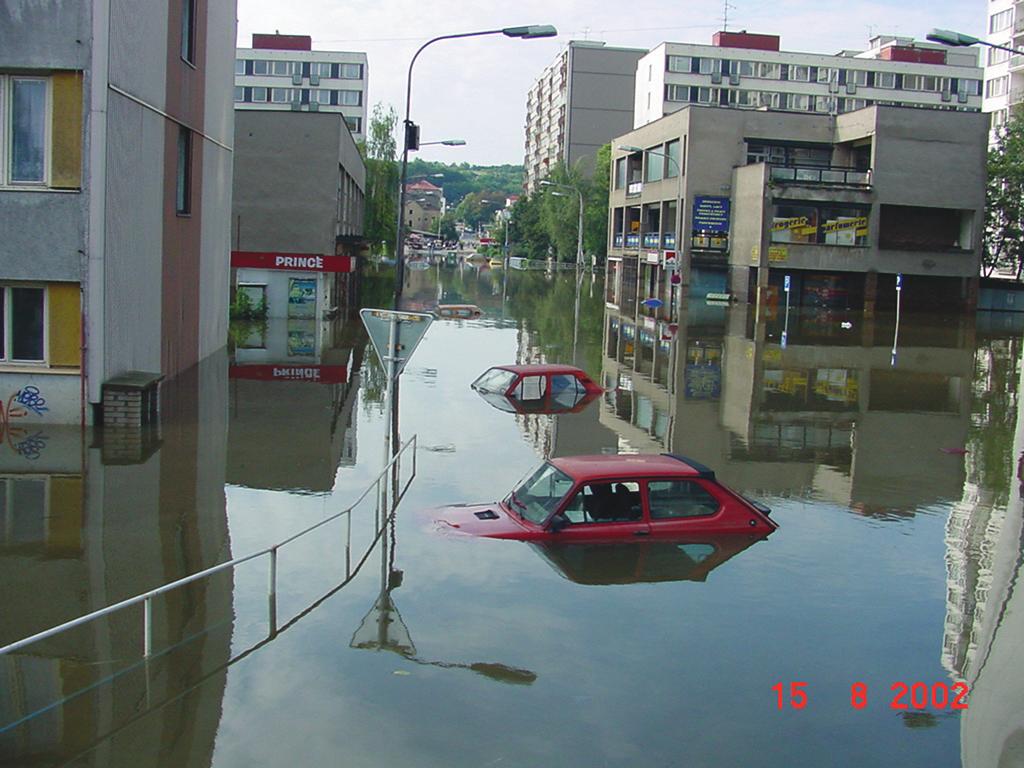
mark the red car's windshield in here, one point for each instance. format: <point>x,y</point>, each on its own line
<point>539,495</point>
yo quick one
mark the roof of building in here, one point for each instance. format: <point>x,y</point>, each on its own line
<point>423,184</point>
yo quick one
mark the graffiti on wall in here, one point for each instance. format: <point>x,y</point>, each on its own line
<point>27,403</point>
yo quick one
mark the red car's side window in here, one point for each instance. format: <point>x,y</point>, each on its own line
<point>605,503</point>
<point>680,499</point>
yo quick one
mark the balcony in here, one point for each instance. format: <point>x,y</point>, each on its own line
<point>826,175</point>
<point>1016,63</point>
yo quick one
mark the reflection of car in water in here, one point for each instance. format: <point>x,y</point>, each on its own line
<point>605,498</point>
<point>567,401</point>
<point>646,561</point>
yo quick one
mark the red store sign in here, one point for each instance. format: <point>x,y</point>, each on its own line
<point>318,374</point>
<point>295,262</point>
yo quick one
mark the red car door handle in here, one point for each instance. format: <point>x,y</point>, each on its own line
<point>641,533</point>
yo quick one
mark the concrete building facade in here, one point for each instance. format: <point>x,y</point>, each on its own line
<point>115,183</point>
<point>297,217</point>
<point>835,207</point>
<point>577,105</point>
<point>284,73</point>
<point>748,71</point>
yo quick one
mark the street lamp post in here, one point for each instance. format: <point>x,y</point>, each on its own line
<point>679,215</point>
<point>948,37</point>
<point>525,33</point>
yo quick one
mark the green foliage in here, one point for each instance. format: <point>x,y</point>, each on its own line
<point>527,234</point>
<point>243,308</point>
<point>595,218</point>
<point>1004,201</point>
<point>447,229</point>
<point>382,174</point>
<point>479,208</point>
<point>462,179</point>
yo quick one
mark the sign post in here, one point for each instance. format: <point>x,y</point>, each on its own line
<point>896,332</point>
<point>786,285</point>
<point>395,336</point>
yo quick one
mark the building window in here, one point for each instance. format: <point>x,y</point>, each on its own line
<point>655,164</point>
<point>885,79</point>
<point>799,73</point>
<point>925,83</point>
<point>259,94</point>
<point>1000,21</point>
<point>260,67</point>
<point>620,173</point>
<point>281,95</point>
<point>350,98</point>
<point>705,96</point>
<point>239,66</point>
<point>677,93</point>
<point>286,68</point>
<point>710,66</point>
<point>852,105</point>
<point>351,71</point>
<point>997,56</point>
<point>828,75</point>
<point>997,86</point>
<point>23,123</point>
<point>355,124</point>
<point>188,30</point>
<point>239,93</point>
<point>800,102</point>
<point>857,76</point>
<point>673,161</point>
<point>970,87</point>
<point>183,183</point>
<point>679,63</point>
<point>22,331</point>
<point>820,224</point>
<point>319,96</point>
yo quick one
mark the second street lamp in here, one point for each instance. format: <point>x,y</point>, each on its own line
<point>410,130</point>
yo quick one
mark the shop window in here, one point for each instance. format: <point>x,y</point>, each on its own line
<point>916,228</point>
<point>820,224</point>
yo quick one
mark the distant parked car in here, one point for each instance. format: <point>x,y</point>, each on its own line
<point>612,497</point>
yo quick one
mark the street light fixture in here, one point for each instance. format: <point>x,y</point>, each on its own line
<point>447,143</point>
<point>528,32</point>
<point>949,37</point>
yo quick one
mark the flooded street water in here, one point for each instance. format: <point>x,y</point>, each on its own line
<point>893,476</point>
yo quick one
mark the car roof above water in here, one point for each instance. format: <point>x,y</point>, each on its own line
<point>614,466</point>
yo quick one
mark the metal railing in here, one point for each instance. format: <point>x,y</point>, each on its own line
<point>812,174</point>
<point>146,598</point>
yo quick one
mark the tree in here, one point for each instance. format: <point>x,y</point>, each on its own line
<point>479,207</point>
<point>527,235</point>
<point>382,175</point>
<point>1004,201</point>
<point>595,217</point>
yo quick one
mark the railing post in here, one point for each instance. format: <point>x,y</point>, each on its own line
<point>272,593</point>
<point>147,627</point>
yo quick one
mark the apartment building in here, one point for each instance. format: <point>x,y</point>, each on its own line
<point>1004,72</point>
<point>746,70</point>
<point>576,106</point>
<point>297,219</point>
<point>283,72</point>
<point>837,211</point>
<point>424,206</point>
<point>115,188</point>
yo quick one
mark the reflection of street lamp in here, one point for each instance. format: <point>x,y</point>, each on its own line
<point>526,33</point>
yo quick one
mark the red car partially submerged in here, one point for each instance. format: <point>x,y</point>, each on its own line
<point>612,497</point>
<point>546,387</point>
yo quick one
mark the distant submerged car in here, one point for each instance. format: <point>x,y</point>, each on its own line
<point>460,311</point>
<point>598,498</point>
<point>544,387</point>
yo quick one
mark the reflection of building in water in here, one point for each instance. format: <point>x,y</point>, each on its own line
<point>826,411</point>
<point>289,379</point>
<point>77,534</point>
<point>984,637</point>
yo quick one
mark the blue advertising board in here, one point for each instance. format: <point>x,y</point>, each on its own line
<point>711,214</point>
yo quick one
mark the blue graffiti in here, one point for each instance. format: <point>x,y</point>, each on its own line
<point>31,398</point>
<point>32,446</point>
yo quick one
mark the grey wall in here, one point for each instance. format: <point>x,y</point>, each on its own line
<point>286,181</point>
<point>600,100</point>
<point>45,34</point>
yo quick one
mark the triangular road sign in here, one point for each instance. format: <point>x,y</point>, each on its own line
<point>409,332</point>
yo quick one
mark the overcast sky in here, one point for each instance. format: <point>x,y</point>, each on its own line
<point>475,89</point>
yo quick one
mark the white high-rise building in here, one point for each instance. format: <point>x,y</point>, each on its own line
<point>1004,72</point>
<point>282,72</point>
